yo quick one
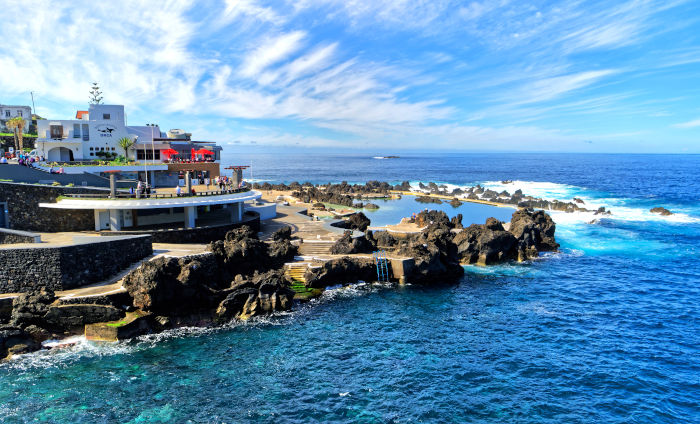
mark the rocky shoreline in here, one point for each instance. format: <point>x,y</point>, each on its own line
<point>350,195</point>
<point>241,276</point>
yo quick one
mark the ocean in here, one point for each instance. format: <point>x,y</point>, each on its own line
<point>606,331</point>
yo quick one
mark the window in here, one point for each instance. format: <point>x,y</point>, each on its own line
<point>105,116</point>
<point>86,132</point>
<point>112,148</point>
<point>76,130</point>
<point>91,149</point>
<point>56,131</point>
<point>7,114</point>
<point>19,113</point>
<point>92,153</point>
<point>102,149</point>
<point>148,155</point>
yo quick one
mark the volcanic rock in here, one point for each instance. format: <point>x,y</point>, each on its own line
<point>661,211</point>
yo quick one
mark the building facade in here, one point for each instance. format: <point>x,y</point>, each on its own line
<point>97,131</point>
<point>8,112</point>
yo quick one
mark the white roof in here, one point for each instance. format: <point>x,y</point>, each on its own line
<point>148,203</point>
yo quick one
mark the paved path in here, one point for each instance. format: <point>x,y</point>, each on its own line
<point>302,226</point>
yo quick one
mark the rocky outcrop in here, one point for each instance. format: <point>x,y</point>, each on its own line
<point>485,244</point>
<point>172,286</point>
<point>261,294</point>
<point>341,271</point>
<point>661,211</point>
<point>528,234</point>
<point>241,252</point>
<point>240,277</point>
<point>428,199</point>
<point>38,315</point>
<point>357,221</point>
<point>347,245</point>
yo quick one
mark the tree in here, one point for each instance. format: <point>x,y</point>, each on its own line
<point>125,143</point>
<point>95,94</point>
<point>17,126</point>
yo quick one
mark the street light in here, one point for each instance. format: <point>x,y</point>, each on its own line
<point>153,149</point>
<point>145,171</point>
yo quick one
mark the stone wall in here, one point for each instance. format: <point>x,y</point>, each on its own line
<point>194,235</point>
<point>66,267</point>
<point>13,236</point>
<point>25,214</point>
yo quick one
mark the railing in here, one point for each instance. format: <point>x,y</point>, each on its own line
<point>122,195</point>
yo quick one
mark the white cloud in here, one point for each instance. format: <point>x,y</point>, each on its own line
<point>690,124</point>
<point>270,52</point>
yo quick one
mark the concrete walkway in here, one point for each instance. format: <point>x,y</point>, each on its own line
<point>302,226</point>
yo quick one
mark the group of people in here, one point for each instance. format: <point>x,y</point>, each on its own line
<point>142,190</point>
<point>223,182</point>
<point>196,159</point>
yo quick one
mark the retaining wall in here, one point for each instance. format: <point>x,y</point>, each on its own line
<point>69,266</point>
<point>25,214</point>
<point>14,236</point>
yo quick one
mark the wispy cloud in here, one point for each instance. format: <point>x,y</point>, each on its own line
<point>349,71</point>
<point>689,124</point>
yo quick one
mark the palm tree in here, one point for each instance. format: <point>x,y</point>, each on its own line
<point>17,126</point>
<point>125,143</point>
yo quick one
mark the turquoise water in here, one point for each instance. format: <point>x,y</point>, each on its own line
<point>605,331</point>
<point>391,211</point>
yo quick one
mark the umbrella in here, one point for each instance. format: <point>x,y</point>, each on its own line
<point>168,152</point>
<point>204,152</point>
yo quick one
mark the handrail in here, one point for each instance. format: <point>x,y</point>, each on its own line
<point>155,195</point>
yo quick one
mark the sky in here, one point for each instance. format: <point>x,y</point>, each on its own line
<point>500,75</point>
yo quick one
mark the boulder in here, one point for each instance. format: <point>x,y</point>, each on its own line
<point>341,271</point>
<point>534,232</point>
<point>661,211</point>
<point>357,221</point>
<point>348,245</point>
<point>172,286</point>
<point>284,233</point>
<point>383,239</point>
<point>14,340</point>
<point>455,203</point>
<point>263,294</point>
<point>485,244</point>
<point>428,199</point>
<point>281,252</point>
<point>371,206</point>
<point>31,307</point>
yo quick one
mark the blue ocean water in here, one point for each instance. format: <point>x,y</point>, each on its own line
<point>608,330</point>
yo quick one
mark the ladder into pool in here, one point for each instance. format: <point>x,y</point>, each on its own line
<point>382,266</point>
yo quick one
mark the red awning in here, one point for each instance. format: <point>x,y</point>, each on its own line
<point>204,152</point>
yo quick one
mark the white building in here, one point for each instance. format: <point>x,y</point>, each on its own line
<point>95,130</point>
<point>99,129</point>
<point>8,112</point>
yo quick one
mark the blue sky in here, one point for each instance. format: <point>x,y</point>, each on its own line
<point>579,76</point>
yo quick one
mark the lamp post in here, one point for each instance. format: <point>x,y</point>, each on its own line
<point>145,171</point>
<point>153,149</point>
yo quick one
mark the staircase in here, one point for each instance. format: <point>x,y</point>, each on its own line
<point>295,272</point>
<point>315,248</point>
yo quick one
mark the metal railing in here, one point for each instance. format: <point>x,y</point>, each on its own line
<point>122,195</point>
